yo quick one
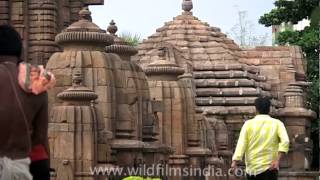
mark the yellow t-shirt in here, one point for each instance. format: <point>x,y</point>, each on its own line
<point>261,138</point>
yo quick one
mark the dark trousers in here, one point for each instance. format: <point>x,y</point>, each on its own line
<point>267,175</point>
<point>40,170</point>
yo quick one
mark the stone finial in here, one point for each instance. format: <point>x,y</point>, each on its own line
<point>84,13</point>
<point>84,32</point>
<point>187,5</point>
<point>120,46</point>
<point>78,92</point>
<point>112,28</point>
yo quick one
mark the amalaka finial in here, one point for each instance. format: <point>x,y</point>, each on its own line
<point>112,28</point>
<point>187,5</point>
<point>85,14</point>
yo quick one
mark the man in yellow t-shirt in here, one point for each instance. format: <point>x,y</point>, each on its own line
<point>263,140</point>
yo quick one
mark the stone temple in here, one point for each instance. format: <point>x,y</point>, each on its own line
<point>178,100</point>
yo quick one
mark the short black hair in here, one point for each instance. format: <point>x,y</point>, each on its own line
<point>263,105</point>
<point>10,41</point>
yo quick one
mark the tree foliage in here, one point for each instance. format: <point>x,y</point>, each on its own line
<point>309,39</point>
<point>289,11</point>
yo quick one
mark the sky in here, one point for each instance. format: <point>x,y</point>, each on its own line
<point>143,17</point>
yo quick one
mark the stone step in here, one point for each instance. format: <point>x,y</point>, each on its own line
<point>231,92</point>
<point>227,75</point>
<point>223,67</point>
<point>227,110</point>
<point>227,101</point>
<point>231,83</point>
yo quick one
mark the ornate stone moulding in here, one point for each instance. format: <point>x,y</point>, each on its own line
<point>121,49</point>
<point>163,67</point>
<point>120,46</point>
<point>156,148</point>
<point>224,111</point>
<point>43,6</point>
<point>199,151</point>
<point>127,144</point>
<point>84,31</point>
<point>297,112</point>
<point>294,105</point>
<point>223,67</point>
<point>77,92</point>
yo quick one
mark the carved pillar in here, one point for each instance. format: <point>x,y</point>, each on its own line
<point>186,81</point>
<point>199,154</point>
<point>133,104</point>
<point>4,12</point>
<point>296,118</point>
<point>18,18</point>
<point>73,132</point>
<point>129,89</point>
<point>43,29</point>
<point>164,86</point>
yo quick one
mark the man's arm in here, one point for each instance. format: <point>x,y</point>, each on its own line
<point>241,146</point>
<point>275,164</point>
<point>283,146</point>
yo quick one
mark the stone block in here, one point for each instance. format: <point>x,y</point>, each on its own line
<point>215,50</point>
<point>4,3</point>
<point>156,93</point>
<point>63,140</point>
<point>102,152</point>
<point>99,59</point>
<point>167,93</point>
<point>270,61</point>
<point>286,61</point>
<point>251,61</point>
<point>254,54</point>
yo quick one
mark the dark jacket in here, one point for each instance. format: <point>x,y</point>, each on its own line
<point>13,133</point>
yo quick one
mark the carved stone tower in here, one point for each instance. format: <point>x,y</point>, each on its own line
<point>73,127</point>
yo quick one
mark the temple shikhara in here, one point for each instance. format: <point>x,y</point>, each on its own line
<point>178,100</point>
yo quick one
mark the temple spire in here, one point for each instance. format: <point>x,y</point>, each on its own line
<point>187,5</point>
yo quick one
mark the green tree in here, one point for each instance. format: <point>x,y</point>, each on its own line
<point>309,39</point>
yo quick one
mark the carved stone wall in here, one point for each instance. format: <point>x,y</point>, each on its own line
<point>38,22</point>
<point>97,67</point>
<point>281,65</point>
